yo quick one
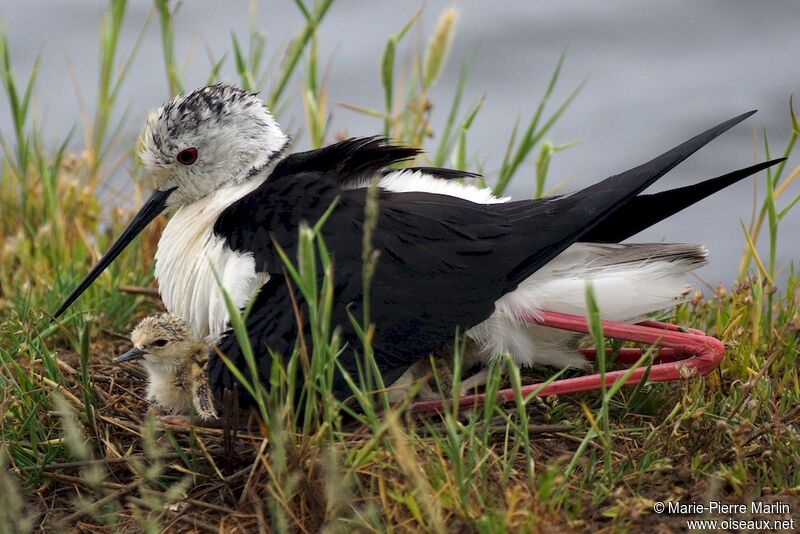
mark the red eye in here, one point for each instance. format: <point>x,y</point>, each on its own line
<point>187,156</point>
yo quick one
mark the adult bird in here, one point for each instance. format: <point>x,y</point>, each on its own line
<point>449,258</point>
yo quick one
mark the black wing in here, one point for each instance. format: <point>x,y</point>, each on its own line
<point>444,261</point>
<point>417,311</point>
<point>644,211</point>
<point>355,161</point>
<point>352,162</point>
<point>273,322</point>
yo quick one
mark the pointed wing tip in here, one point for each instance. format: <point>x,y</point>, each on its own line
<point>740,118</point>
<point>765,165</point>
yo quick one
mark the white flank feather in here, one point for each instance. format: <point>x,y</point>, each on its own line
<point>404,181</point>
<point>640,284</point>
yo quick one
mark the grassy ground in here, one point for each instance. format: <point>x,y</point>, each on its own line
<point>80,446</point>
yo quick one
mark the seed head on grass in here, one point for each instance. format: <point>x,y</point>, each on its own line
<point>438,47</point>
<point>13,519</point>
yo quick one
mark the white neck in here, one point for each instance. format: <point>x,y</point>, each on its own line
<point>190,257</point>
<point>276,144</point>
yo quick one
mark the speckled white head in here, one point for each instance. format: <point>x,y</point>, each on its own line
<point>210,138</point>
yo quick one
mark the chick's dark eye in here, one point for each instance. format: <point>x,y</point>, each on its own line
<point>187,156</point>
<point>160,342</point>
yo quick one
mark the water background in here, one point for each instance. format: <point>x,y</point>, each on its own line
<point>657,73</point>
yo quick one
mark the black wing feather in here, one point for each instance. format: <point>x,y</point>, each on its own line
<point>644,211</point>
<point>352,161</point>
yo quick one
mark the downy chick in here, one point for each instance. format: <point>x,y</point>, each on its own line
<point>176,365</point>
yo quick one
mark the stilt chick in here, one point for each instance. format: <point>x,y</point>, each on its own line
<point>176,364</point>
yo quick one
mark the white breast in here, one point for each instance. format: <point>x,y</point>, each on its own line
<point>188,255</point>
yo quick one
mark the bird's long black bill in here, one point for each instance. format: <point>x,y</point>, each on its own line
<point>131,355</point>
<point>154,205</point>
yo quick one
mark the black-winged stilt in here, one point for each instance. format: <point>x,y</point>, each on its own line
<point>451,255</point>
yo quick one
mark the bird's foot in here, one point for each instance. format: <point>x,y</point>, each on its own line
<point>175,420</point>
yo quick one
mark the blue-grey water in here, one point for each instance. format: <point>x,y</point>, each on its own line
<point>657,72</point>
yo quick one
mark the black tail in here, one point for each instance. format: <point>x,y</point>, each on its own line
<point>644,211</point>
<point>570,218</point>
